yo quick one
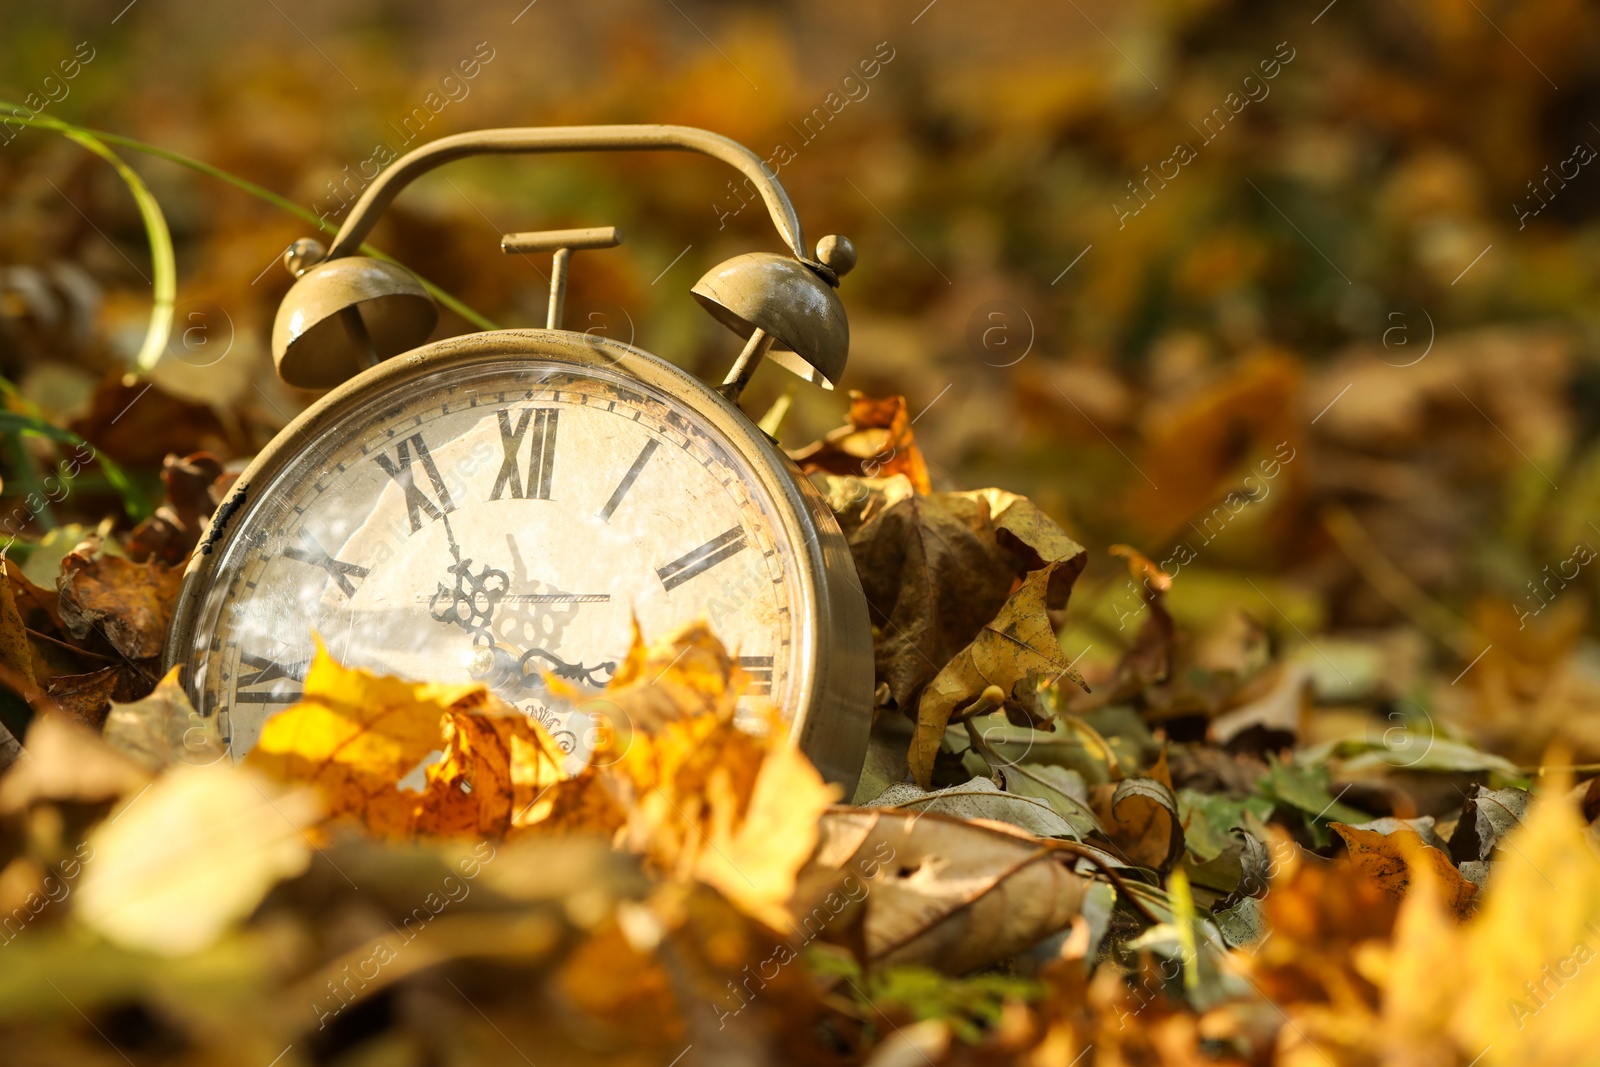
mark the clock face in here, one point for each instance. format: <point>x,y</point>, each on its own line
<point>492,522</point>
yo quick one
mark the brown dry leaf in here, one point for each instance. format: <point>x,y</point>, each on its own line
<point>1391,859</point>
<point>16,654</point>
<point>1013,652</point>
<point>163,728</point>
<point>933,574</point>
<point>177,524</point>
<point>877,443</point>
<point>356,735</point>
<point>932,889</point>
<point>86,697</point>
<point>129,603</point>
<point>1142,827</point>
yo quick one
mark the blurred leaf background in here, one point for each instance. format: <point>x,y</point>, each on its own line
<point>1373,277</point>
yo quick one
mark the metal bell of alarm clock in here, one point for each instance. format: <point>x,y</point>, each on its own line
<point>497,505</point>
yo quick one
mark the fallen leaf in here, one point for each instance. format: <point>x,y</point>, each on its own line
<point>86,697</point>
<point>164,728</point>
<point>978,799</point>
<point>194,854</point>
<point>1141,816</point>
<point>932,889</point>
<point>16,654</point>
<point>356,735</point>
<point>502,772</point>
<point>1486,819</point>
<point>1012,652</point>
<point>876,443</point>
<point>1530,950</point>
<point>757,848</point>
<point>175,528</point>
<point>128,603</point>
<point>1390,860</point>
<point>933,574</point>
<point>67,762</point>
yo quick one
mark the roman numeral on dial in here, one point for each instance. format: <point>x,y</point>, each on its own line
<point>628,479</point>
<point>541,455</point>
<point>265,670</point>
<point>418,503</point>
<point>314,554</point>
<point>696,562</point>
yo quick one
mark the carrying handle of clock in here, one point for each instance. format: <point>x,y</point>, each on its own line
<point>346,312</point>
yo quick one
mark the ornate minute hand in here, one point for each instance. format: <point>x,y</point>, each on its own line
<point>470,603</point>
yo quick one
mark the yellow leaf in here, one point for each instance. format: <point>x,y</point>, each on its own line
<point>754,861</point>
<point>356,736</point>
<point>194,854</point>
<point>1530,979</point>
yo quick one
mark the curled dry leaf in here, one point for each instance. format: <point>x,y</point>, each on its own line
<point>876,443</point>
<point>1013,652</point>
<point>932,889</point>
<point>1141,815</point>
<point>933,573</point>
<point>193,487</point>
<point>129,603</point>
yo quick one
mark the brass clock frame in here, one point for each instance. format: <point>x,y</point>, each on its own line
<point>832,705</point>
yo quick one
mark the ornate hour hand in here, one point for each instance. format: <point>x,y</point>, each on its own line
<point>471,602</point>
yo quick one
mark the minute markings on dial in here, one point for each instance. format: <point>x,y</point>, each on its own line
<point>399,468</point>
<point>541,456</point>
<point>697,561</point>
<point>314,554</point>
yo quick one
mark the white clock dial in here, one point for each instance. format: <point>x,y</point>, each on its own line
<point>493,523</point>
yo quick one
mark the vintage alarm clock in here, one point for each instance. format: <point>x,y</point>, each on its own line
<point>497,505</point>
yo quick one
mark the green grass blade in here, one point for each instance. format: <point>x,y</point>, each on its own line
<point>17,423</point>
<point>482,322</point>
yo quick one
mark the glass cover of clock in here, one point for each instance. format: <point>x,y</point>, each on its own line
<point>493,523</point>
